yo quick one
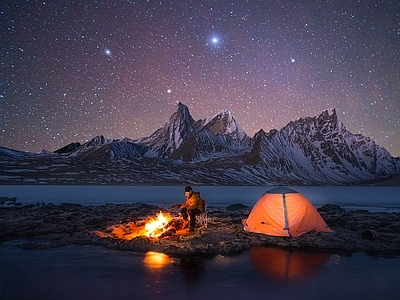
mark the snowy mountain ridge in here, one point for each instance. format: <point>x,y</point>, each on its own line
<point>320,149</point>
<point>308,151</point>
<point>227,125</point>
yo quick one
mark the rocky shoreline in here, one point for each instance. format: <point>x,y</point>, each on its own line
<point>45,226</point>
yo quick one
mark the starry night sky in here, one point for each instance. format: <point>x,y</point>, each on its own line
<point>71,70</point>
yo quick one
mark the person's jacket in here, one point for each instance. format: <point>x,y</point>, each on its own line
<point>194,201</point>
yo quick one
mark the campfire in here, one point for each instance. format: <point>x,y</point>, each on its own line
<point>158,226</point>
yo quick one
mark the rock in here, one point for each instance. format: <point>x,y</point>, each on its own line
<point>395,228</point>
<point>118,226</point>
<point>330,207</point>
<point>7,200</point>
<point>369,235</point>
<point>238,206</point>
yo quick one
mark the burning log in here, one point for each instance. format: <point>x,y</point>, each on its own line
<point>156,226</point>
<point>168,233</point>
<point>163,225</point>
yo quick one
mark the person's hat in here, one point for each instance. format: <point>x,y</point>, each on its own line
<point>188,189</point>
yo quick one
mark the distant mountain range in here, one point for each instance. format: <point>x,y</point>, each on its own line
<point>310,151</point>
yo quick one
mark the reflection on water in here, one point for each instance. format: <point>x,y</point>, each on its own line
<point>90,272</point>
<point>278,264</point>
<point>192,268</point>
<point>156,260</point>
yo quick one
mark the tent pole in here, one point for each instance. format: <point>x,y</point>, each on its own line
<point>285,213</point>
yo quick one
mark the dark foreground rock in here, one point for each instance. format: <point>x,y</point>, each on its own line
<point>42,226</point>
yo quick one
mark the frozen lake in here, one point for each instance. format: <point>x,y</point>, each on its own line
<point>349,197</point>
<point>92,272</point>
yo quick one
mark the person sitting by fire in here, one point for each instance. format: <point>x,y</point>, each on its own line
<point>192,207</point>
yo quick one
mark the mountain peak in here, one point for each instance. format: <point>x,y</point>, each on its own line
<point>224,123</point>
<point>182,115</point>
<point>329,113</point>
<point>168,138</point>
<point>99,140</point>
<point>312,151</point>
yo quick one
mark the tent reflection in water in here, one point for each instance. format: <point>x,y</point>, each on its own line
<point>278,264</point>
<point>283,211</point>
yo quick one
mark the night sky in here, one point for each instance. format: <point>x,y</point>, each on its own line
<point>71,70</point>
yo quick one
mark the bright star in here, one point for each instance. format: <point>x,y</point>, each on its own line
<point>169,91</point>
<point>214,41</point>
<point>107,52</point>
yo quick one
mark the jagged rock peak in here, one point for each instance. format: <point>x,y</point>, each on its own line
<point>329,111</point>
<point>99,140</point>
<point>168,138</point>
<point>69,148</point>
<point>182,112</point>
<point>180,119</point>
<point>328,114</point>
<point>44,151</point>
<point>224,123</point>
<point>327,119</point>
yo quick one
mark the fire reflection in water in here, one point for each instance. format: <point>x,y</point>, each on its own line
<point>156,260</point>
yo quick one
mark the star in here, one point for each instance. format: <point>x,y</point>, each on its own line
<point>108,63</point>
<point>214,41</point>
<point>107,52</point>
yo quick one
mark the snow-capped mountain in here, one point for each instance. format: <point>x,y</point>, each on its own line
<point>103,148</point>
<point>167,139</point>
<point>309,151</point>
<point>182,138</point>
<point>321,150</point>
<point>69,148</point>
<point>10,153</point>
<point>219,136</point>
<point>223,123</point>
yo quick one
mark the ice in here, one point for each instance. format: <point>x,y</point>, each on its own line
<point>371,198</point>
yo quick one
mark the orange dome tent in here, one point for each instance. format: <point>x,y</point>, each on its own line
<point>282,211</point>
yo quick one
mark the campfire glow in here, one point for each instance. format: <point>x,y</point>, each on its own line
<point>153,227</point>
<point>156,226</point>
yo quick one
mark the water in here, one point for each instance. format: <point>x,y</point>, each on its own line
<point>351,197</point>
<point>92,272</point>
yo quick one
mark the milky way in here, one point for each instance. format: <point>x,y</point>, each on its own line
<point>71,70</point>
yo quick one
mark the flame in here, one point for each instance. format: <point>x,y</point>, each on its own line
<point>126,231</point>
<point>156,226</point>
<point>152,228</point>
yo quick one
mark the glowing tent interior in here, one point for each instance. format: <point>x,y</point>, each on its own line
<point>283,211</point>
